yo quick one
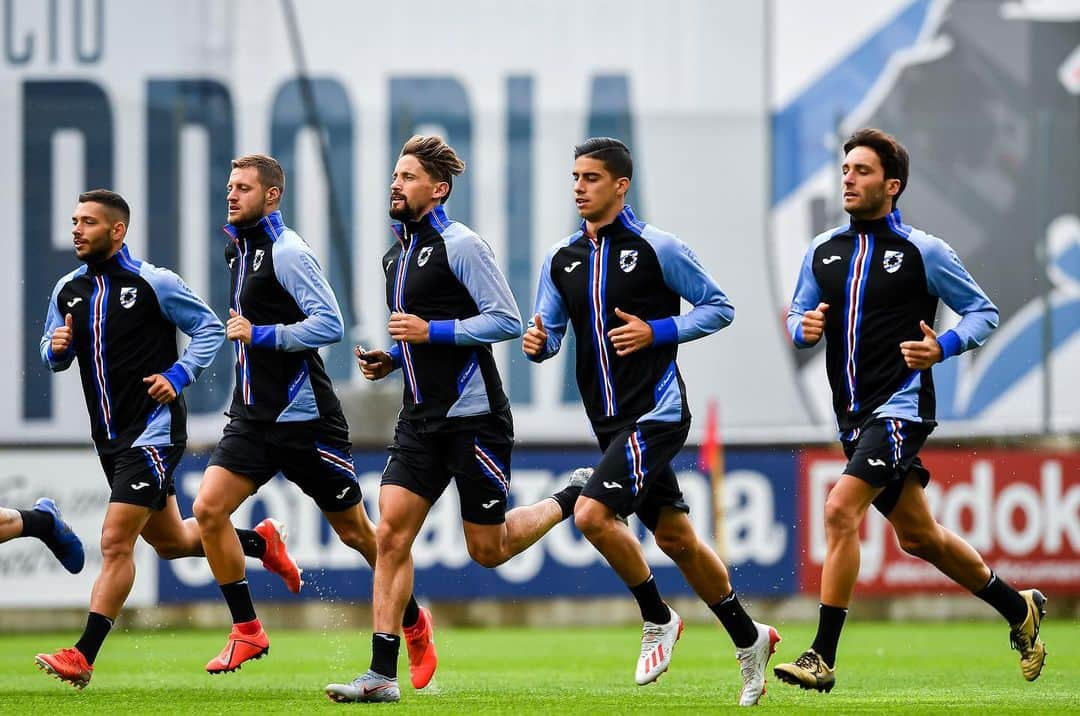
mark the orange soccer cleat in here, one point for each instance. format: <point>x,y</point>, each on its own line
<point>67,665</point>
<point>239,648</point>
<point>277,559</point>
<point>420,642</point>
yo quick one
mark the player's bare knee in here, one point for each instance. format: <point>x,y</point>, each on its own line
<point>840,519</point>
<point>925,544</point>
<point>358,535</point>
<point>172,550</point>
<point>116,546</point>
<point>486,555</point>
<point>676,544</point>
<point>592,519</point>
<point>209,517</point>
<point>391,544</point>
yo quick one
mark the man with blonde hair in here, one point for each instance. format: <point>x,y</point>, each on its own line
<point>284,414</point>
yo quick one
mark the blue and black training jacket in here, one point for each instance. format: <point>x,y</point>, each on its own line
<point>880,278</point>
<point>441,271</point>
<point>278,285</point>
<point>124,319</point>
<point>643,271</point>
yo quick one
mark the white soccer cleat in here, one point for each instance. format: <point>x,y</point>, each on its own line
<point>657,643</point>
<point>369,686</point>
<point>752,662</point>
<point>579,477</point>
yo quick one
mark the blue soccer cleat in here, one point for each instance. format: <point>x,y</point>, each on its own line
<point>64,543</point>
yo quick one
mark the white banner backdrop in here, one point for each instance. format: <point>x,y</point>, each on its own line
<point>732,110</point>
<point>29,574</point>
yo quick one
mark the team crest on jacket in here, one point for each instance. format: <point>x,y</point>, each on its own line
<point>892,261</point>
<point>628,260</point>
<point>258,259</point>
<point>127,296</point>
<point>424,255</point>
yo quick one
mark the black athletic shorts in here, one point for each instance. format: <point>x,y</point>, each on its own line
<point>315,455</point>
<point>635,475</point>
<point>142,476</point>
<point>883,452</point>
<point>474,451</point>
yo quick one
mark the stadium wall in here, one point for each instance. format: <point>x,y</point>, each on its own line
<point>1019,507</point>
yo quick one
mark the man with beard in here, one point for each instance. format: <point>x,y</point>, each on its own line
<point>119,317</point>
<point>871,289</point>
<point>620,283</point>
<point>284,414</point>
<point>449,303</point>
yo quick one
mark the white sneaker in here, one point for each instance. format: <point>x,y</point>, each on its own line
<point>753,660</point>
<point>369,686</point>
<point>657,643</point>
<point>579,477</point>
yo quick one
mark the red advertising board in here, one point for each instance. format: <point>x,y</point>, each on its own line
<point>1019,509</point>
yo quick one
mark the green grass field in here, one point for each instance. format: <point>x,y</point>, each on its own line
<point>895,668</point>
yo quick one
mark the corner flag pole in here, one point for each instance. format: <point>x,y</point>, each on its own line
<point>711,462</point>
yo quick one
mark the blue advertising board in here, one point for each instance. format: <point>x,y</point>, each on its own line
<point>759,543</point>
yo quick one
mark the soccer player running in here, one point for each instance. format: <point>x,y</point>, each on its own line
<point>871,289</point>
<point>449,302</point>
<point>619,282</point>
<point>45,522</point>
<point>284,415</point>
<point>119,316</point>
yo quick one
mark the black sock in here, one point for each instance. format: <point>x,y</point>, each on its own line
<point>93,636</point>
<point>1001,596</point>
<point>735,619</point>
<point>653,608</point>
<point>238,597</point>
<point>36,523</point>
<point>252,543</point>
<point>412,613</point>
<point>830,623</point>
<point>384,653</point>
<point>566,498</point>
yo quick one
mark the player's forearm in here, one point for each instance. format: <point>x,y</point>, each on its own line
<point>972,331</point>
<point>485,328</point>
<point>315,331</point>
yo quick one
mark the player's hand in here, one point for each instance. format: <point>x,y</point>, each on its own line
<point>813,324</point>
<point>238,328</point>
<point>631,337</point>
<point>373,364</point>
<point>407,327</point>
<point>62,336</point>
<point>535,339</point>
<point>920,355</point>
<point>160,388</point>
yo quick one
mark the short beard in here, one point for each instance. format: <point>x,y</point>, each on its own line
<point>246,220</point>
<point>96,256</point>
<point>405,213</point>
<point>883,201</point>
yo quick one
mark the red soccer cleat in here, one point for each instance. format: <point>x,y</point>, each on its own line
<point>239,648</point>
<point>277,559</point>
<point>420,642</point>
<point>67,665</point>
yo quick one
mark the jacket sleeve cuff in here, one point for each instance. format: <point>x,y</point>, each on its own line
<point>951,344</point>
<point>664,331</point>
<point>55,358</point>
<point>264,337</point>
<point>441,332</point>
<point>178,377</point>
<point>395,356</point>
